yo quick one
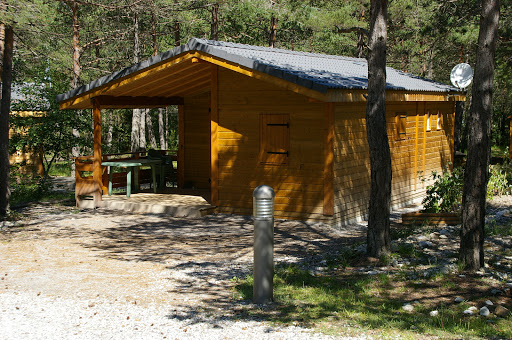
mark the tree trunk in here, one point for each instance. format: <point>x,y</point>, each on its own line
<point>273,31</point>
<point>5,108</point>
<point>149,128</point>
<point>161,129</point>
<point>177,39</point>
<point>75,82</point>
<point>378,237</point>
<point>110,129</point>
<point>135,135</point>
<point>479,141</point>
<point>142,142</point>
<point>214,34</point>
<point>137,113</point>
<point>457,133</point>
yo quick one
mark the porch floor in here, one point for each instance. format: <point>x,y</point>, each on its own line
<point>171,201</point>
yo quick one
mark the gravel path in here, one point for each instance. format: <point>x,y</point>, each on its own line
<point>69,274</point>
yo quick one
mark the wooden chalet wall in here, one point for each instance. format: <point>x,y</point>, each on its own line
<point>298,184</point>
<point>29,159</point>
<point>197,141</point>
<point>413,153</point>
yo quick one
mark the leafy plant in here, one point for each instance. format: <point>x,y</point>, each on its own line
<point>445,194</point>
<point>498,183</point>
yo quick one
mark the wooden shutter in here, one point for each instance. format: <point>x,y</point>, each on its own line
<point>274,138</point>
<point>401,125</point>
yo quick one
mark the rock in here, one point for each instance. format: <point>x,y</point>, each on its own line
<point>434,235</point>
<point>509,285</point>
<point>445,232</point>
<point>408,307</point>
<point>468,312</point>
<point>489,303</point>
<point>495,291</point>
<point>434,313</point>
<point>501,311</point>
<point>484,311</point>
<point>473,309</point>
<point>426,244</point>
<point>458,299</point>
<point>443,237</point>
<point>421,238</point>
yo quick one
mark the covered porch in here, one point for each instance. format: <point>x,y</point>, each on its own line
<point>190,84</point>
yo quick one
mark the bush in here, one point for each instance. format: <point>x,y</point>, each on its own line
<point>445,194</point>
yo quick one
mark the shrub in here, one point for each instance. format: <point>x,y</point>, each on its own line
<point>445,194</point>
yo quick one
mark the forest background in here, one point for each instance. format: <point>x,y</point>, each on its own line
<point>62,44</point>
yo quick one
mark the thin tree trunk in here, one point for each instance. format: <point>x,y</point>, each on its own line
<point>166,128</point>
<point>214,34</point>
<point>153,28</point>
<point>135,135</point>
<point>459,115</point>
<point>177,39</point>
<point>5,108</point>
<point>77,70</point>
<point>150,133</point>
<point>142,143</point>
<point>273,31</point>
<point>479,141</point>
<point>110,129</point>
<point>378,237</point>
<point>137,113</point>
<point>161,129</point>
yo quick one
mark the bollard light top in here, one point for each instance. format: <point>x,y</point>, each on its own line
<point>264,192</point>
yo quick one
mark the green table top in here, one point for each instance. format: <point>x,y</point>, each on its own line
<point>131,162</point>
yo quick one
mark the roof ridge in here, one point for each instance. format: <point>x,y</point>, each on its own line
<point>214,43</point>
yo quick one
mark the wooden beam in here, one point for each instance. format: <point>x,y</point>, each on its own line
<point>329,160</point>
<point>125,102</point>
<point>416,137</point>
<point>97,170</point>
<point>181,146</point>
<point>214,124</point>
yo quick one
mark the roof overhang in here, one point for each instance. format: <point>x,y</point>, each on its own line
<point>166,79</point>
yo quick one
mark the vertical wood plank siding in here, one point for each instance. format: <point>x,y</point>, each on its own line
<point>420,149</point>
<point>197,141</point>
<point>299,184</point>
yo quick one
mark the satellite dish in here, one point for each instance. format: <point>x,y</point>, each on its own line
<point>461,75</point>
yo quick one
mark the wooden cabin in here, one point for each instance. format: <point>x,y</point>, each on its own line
<point>28,161</point>
<point>252,115</point>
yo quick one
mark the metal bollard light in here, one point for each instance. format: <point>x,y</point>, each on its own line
<point>263,208</point>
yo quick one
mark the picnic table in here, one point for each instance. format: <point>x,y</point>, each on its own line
<point>130,164</point>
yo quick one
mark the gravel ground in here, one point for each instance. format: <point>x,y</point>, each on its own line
<point>69,274</point>
<point>28,316</point>
<point>97,274</point>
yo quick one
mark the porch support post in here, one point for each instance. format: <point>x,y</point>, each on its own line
<point>329,160</point>
<point>214,152</point>
<point>181,147</point>
<point>96,169</point>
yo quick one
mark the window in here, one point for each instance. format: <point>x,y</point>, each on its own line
<point>401,125</point>
<point>439,120</point>
<point>429,117</point>
<point>274,138</point>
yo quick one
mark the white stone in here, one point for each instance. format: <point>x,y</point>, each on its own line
<point>408,307</point>
<point>473,309</point>
<point>468,312</point>
<point>434,313</point>
<point>484,311</point>
<point>489,303</point>
<point>458,299</point>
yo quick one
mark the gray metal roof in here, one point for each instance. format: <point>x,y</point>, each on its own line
<point>315,71</point>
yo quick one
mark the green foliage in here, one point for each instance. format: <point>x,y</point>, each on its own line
<point>445,194</point>
<point>499,180</point>
<point>49,130</point>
